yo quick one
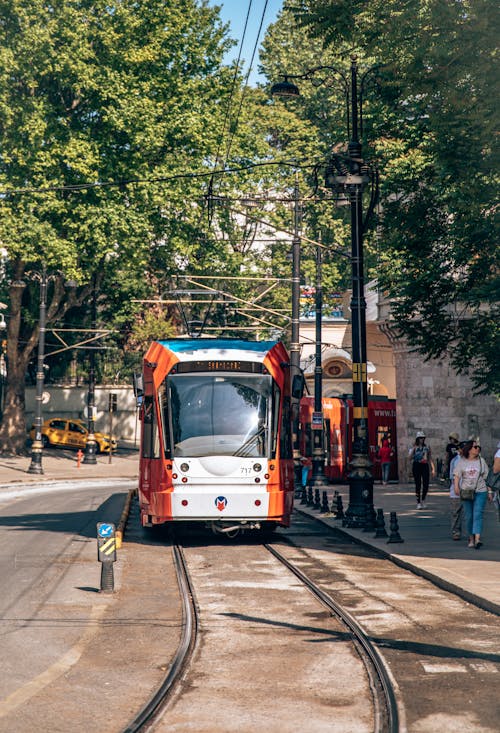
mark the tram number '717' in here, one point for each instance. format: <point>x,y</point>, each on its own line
<point>246,470</point>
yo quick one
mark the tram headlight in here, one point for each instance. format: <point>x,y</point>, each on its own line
<point>257,467</point>
<point>184,467</point>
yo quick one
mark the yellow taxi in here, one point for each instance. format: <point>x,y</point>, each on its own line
<point>62,433</point>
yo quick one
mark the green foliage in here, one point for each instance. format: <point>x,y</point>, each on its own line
<point>432,128</point>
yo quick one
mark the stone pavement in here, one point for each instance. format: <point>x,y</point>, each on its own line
<point>63,465</point>
<point>428,547</point>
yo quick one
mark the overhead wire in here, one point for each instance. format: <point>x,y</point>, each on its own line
<point>235,125</point>
<point>227,114</point>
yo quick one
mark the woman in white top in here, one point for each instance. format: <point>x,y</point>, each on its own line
<point>470,473</point>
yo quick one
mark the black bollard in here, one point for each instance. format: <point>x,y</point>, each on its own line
<point>369,519</point>
<point>317,501</point>
<point>394,527</point>
<point>303,498</point>
<point>324,503</point>
<point>310,500</point>
<point>340,509</point>
<point>334,503</point>
<point>380,524</point>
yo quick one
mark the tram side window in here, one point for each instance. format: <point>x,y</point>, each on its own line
<point>286,430</point>
<point>150,441</point>
<point>165,420</point>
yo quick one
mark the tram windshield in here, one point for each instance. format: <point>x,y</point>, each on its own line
<point>229,415</point>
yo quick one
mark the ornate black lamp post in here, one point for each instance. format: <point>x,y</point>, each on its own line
<point>91,444</point>
<point>295,344</point>
<point>37,446</point>
<point>349,175</point>
<point>318,479</point>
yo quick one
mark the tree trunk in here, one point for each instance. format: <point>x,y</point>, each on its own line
<point>13,429</point>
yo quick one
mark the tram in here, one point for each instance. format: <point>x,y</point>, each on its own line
<point>216,434</point>
<point>337,433</point>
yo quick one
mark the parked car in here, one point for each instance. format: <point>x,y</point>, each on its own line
<point>62,433</point>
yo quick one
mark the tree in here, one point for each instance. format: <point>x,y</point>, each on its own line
<point>104,113</point>
<point>433,129</point>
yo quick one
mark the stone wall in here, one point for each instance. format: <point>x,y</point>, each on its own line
<point>433,398</point>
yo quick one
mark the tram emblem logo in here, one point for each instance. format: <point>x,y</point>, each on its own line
<point>221,503</point>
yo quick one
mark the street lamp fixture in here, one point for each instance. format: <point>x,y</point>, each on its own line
<point>37,446</point>
<point>90,456</point>
<point>348,175</point>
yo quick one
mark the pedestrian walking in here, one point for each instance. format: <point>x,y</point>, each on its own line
<point>469,476</point>
<point>451,451</point>
<point>422,468</point>
<point>306,463</point>
<point>456,506</point>
<point>493,480</point>
<point>385,453</point>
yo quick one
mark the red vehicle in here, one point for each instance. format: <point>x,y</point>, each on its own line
<point>216,434</point>
<point>337,435</point>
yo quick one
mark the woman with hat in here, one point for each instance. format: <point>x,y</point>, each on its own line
<point>421,463</point>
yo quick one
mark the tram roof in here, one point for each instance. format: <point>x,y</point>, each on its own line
<point>181,346</point>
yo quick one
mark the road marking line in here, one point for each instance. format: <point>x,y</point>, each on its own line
<point>436,668</point>
<point>27,691</point>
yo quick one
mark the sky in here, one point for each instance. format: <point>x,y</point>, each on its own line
<point>235,13</point>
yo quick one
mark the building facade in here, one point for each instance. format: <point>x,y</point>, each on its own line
<point>430,395</point>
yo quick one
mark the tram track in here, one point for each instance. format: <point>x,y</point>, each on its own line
<point>187,644</point>
<point>385,710</point>
<point>384,697</point>
<point>391,621</point>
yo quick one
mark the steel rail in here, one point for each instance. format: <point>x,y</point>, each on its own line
<point>388,723</point>
<point>184,650</point>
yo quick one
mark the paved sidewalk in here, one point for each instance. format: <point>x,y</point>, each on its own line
<point>428,547</point>
<point>62,465</point>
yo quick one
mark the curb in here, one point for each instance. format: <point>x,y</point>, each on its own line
<point>124,518</point>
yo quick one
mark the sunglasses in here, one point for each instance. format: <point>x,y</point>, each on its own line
<point>477,446</point>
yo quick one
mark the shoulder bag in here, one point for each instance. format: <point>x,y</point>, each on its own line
<point>468,493</point>
<point>493,480</point>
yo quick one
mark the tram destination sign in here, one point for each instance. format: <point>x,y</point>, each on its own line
<point>218,365</point>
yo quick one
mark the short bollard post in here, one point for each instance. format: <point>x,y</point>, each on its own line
<point>324,503</point>
<point>369,525</point>
<point>380,525</point>
<point>303,498</point>
<point>394,527</point>
<point>317,500</point>
<point>340,508</point>
<point>79,457</point>
<point>310,500</point>
<point>334,503</point>
<point>106,554</point>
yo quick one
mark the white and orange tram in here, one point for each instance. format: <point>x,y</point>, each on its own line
<point>216,434</point>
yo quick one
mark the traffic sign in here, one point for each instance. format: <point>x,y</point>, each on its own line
<point>317,421</point>
<point>106,542</point>
<point>105,530</point>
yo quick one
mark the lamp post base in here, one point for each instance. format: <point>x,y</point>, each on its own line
<point>360,513</point>
<point>90,451</point>
<point>318,478</point>
<point>36,461</point>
